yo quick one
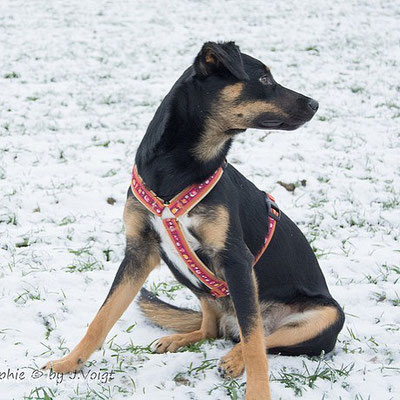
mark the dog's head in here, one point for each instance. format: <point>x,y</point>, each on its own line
<point>240,92</point>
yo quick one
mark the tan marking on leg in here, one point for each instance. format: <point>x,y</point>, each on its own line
<point>254,355</point>
<point>104,320</point>
<point>233,363</point>
<point>208,330</point>
<point>134,218</point>
<point>213,229</point>
<point>313,323</point>
<point>256,362</point>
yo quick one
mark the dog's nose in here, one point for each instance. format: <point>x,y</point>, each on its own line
<point>313,105</point>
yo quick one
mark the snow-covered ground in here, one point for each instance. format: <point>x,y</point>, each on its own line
<point>80,81</point>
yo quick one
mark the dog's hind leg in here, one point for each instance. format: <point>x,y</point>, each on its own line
<point>142,256</point>
<point>208,330</point>
<point>307,333</point>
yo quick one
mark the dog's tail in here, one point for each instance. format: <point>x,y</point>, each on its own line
<point>182,320</point>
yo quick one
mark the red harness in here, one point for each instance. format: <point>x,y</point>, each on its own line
<point>180,205</point>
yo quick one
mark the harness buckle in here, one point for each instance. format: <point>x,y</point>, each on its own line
<point>272,208</point>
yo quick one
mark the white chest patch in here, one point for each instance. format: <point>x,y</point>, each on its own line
<point>186,222</point>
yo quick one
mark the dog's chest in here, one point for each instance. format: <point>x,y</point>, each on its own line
<point>188,224</point>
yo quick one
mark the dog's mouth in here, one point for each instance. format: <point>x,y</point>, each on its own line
<point>279,125</point>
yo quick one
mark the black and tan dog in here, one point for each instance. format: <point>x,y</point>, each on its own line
<point>281,305</point>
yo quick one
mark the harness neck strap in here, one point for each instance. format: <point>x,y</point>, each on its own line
<point>182,203</point>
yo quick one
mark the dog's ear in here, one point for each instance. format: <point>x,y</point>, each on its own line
<point>218,57</point>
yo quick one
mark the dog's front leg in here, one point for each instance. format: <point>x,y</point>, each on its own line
<point>128,281</point>
<point>141,257</point>
<point>243,290</point>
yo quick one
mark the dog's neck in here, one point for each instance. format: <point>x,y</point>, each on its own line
<point>168,163</point>
<point>183,145</point>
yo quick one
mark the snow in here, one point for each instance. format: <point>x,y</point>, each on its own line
<point>79,83</point>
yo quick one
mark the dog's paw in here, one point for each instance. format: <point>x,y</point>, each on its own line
<point>170,343</point>
<point>64,365</point>
<point>173,342</point>
<point>232,364</point>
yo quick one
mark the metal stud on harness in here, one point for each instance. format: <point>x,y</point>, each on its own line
<point>180,205</point>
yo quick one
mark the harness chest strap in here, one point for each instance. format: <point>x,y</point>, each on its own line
<point>180,205</point>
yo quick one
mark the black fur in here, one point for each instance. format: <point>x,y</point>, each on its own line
<point>226,59</point>
<point>288,272</point>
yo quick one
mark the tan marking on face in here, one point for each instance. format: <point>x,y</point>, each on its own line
<point>229,107</point>
<point>214,136</point>
<point>134,218</point>
<point>210,58</point>
<point>252,109</point>
<point>231,93</point>
<point>229,112</point>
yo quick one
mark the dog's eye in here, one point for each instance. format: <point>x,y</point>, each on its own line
<point>266,80</point>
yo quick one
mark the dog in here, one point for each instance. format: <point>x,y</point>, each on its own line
<point>282,303</point>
